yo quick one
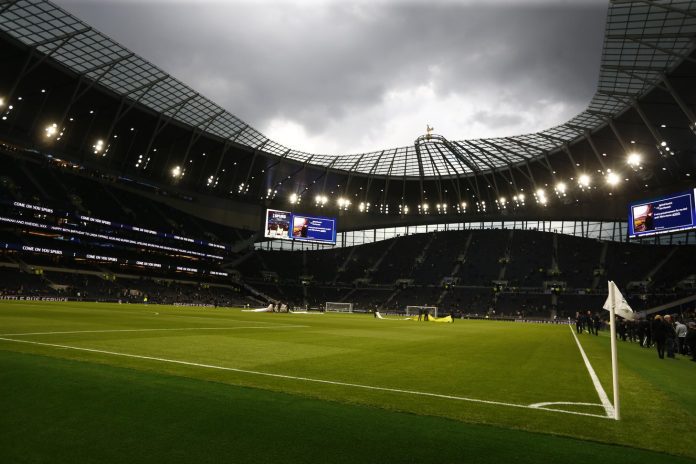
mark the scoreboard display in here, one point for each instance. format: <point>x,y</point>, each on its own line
<point>292,226</point>
<point>673,213</point>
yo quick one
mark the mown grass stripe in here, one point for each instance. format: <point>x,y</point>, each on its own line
<point>304,379</point>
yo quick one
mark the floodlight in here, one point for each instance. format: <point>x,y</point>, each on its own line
<point>98,146</point>
<point>633,159</point>
<point>51,130</point>
<point>613,178</point>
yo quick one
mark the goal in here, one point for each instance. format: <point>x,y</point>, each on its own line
<point>416,310</point>
<point>339,307</point>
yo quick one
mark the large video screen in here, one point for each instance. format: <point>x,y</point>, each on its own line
<point>292,226</point>
<point>664,215</point>
<point>277,223</point>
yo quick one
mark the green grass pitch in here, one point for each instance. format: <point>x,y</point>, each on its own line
<point>105,383</point>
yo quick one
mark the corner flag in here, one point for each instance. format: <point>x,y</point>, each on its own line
<point>617,300</point>
<point>616,304</point>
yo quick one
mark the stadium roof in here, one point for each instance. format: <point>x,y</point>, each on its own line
<point>643,41</point>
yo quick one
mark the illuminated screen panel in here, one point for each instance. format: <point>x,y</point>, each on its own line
<point>290,226</point>
<point>313,228</point>
<point>277,224</point>
<point>673,213</point>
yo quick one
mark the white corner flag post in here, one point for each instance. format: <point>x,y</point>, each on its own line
<point>616,302</point>
<point>614,355</point>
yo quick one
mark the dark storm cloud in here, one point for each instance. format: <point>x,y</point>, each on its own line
<point>346,76</point>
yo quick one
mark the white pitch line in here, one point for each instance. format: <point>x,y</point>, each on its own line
<point>306,379</point>
<point>155,330</point>
<point>608,407</point>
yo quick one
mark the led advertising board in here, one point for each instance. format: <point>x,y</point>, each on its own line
<point>673,213</point>
<point>302,227</point>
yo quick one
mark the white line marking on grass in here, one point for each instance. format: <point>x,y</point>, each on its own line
<point>608,407</point>
<point>154,330</point>
<point>303,379</point>
<point>220,317</point>
<point>545,405</point>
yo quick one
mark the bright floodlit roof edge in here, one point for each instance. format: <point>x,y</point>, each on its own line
<point>643,40</point>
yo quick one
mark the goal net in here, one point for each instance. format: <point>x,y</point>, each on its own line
<point>416,310</point>
<point>339,307</point>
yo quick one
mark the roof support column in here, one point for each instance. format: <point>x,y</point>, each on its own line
<point>682,105</point>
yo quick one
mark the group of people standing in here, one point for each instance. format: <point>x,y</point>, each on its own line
<point>671,335</point>
<point>587,321</point>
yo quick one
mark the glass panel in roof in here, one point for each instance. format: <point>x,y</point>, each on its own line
<point>643,40</point>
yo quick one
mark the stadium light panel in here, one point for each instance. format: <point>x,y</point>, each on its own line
<point>51,130</point>
<point>293,198</point>
<point>98,146</point>
<point>561,188</point>
<point>613,178</point>
<point>2,102</point>
<point>584,180</point>
<point>662,148</point>
<point>633,159</point>
<point>540,195</point>
<point>176,171</point>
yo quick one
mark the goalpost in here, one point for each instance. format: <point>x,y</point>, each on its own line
<point>332,306</point>
<point>416,310</point>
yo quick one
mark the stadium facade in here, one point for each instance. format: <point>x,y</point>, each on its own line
<point>116,112</point>
<point>114,170</point>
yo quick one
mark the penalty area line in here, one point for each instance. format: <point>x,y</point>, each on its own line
<point>535,406</point>
<point>608,407</point>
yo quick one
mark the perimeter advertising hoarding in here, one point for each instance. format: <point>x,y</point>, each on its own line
<point>673,213</point>
<point>302,227</point>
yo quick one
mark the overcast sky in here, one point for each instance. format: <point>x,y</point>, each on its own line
<point>351,76</point>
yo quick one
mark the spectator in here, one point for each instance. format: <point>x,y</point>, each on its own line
<point>659,335</point>
<point>691,340</point>
<point>671,336</point>
<point>681,331</point>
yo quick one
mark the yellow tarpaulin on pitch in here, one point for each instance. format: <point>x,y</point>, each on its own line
<point>432,319</point>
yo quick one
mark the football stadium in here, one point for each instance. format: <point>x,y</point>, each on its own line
<point>175,286</point>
